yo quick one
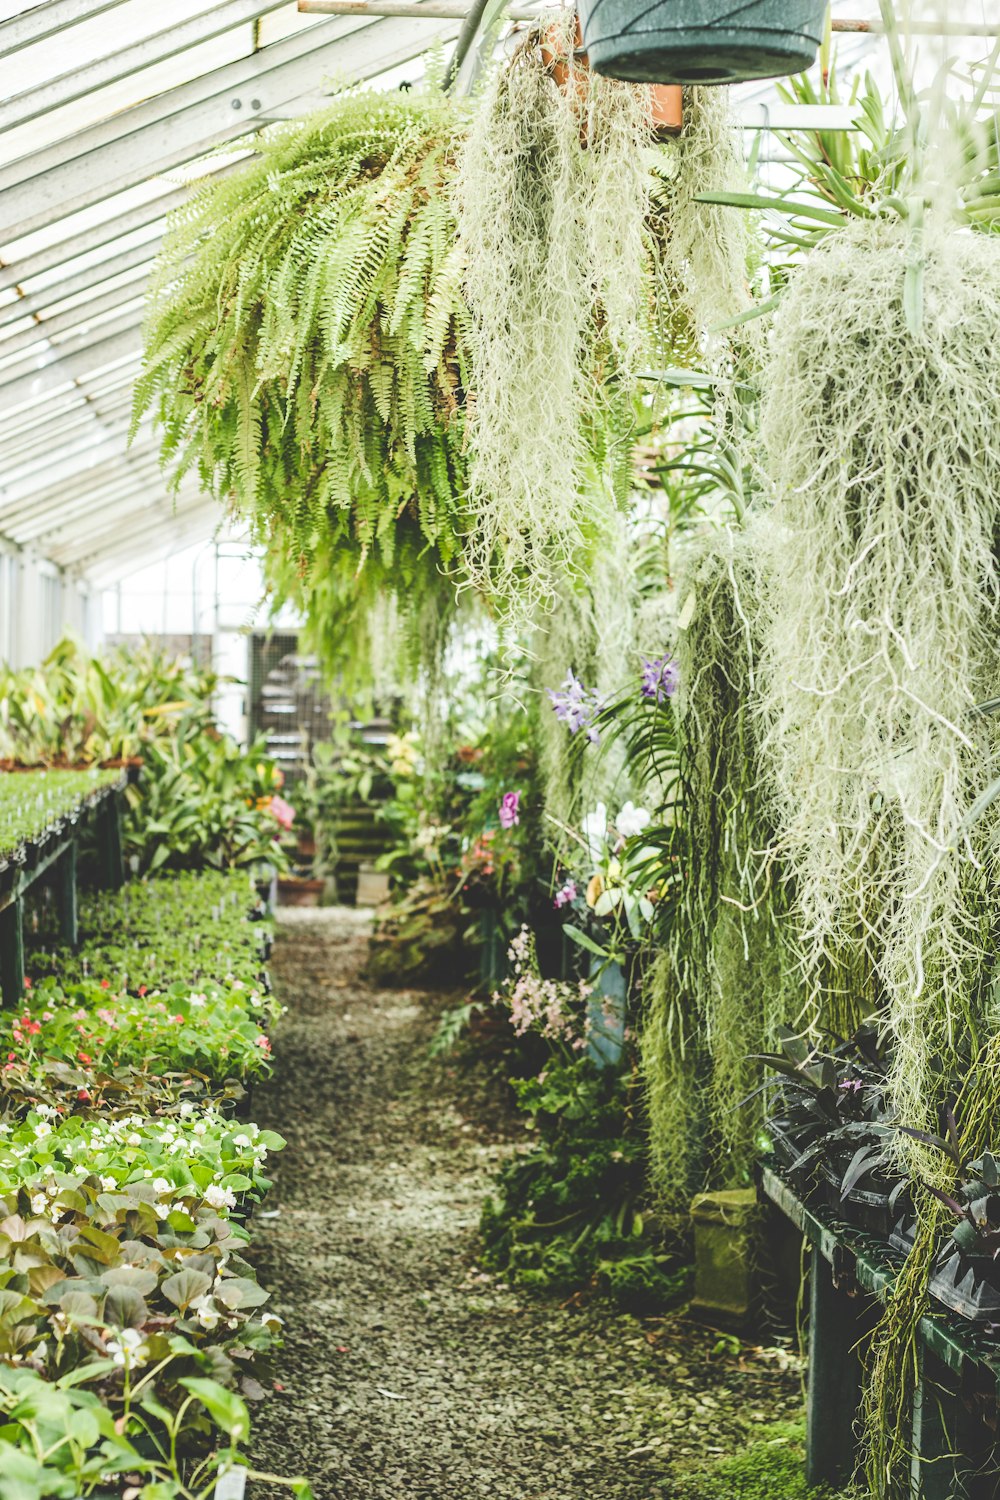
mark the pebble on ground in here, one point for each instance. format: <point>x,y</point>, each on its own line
<point>409,1373</point>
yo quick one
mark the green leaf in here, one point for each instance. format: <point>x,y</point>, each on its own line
<point>228,1410</point>
<point>185,1287</point>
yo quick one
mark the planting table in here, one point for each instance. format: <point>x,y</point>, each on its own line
<point>959,1366</point>
<point>52,857</point>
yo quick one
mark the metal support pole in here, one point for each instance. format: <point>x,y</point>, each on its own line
<point>12,953</point>
<point>66,897</point>
<point>834,1378</point>
<point>459,10</point>
<point>110,861</point>
<point>466,37</point>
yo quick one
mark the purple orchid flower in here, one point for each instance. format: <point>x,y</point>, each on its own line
<point>660,677</point>
<point>510,806</point>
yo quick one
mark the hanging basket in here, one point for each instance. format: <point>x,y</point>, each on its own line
<point>666,101</point>
<point>701,41</point>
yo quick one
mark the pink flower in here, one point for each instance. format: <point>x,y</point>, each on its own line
<point>566,893</point>
<point>282,812</point>
<point>510,805</point>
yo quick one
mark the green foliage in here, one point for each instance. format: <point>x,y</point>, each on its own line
<point>202,800</point>
<point>77,709</point>
<point>131,1327</point>
<point>33,803</point>
<point>567,1212</point>
<point>771,1467</point>
<point>305,350</point>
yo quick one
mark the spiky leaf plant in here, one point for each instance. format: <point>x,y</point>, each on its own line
<point>552,192</point>
<point>305,342</point>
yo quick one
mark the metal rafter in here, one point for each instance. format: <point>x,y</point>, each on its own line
<point>77,83</point>
<point>181,124</point>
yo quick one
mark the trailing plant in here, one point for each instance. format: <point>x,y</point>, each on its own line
<point>552,193</point>
<point>306,345</point>
<point>884,548</point>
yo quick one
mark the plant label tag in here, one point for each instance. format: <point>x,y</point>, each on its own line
<point>232,1484</point>
<point>687,612</point>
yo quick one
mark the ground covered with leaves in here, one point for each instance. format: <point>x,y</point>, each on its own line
<point>410,1373</point>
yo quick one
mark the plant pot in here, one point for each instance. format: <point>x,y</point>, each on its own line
<point>666,100</point>
<point>701,41</point>
<point>961,1282</point>
<point>294,891</point>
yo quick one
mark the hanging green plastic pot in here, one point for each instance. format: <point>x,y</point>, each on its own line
<point>701,41</point>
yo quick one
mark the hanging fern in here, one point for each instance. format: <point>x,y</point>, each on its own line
<point>305,346</point>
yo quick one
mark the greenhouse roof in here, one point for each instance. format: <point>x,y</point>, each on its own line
<point>107,111</point>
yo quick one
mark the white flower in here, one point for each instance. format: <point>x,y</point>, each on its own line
<point>187,1108</point>
<point>134,1140</point>
<point>207,1312</point>
<point>271,1321</point>
<point>631,820</point>
<point>199,1127</point>
<point>595,830</point>
<point>219,1197</point>
<point>45,1110</point>
<point>128,1349</point>
<point>42,1129</point>
<point>39,1203</point>
<point>243,1141</point>
<point>161,1185</point>
<point>109,1184</point>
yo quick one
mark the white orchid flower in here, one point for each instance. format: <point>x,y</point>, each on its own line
<point>595,830</point>
<point>632,820</point>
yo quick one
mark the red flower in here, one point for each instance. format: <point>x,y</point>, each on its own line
<point>142,989</point>
<point>27,982</point>
<point>105,984</point>
<point>84,1057</point>
<point>83,1093</point>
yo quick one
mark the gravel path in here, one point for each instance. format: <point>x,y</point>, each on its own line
<point>408,1373</point>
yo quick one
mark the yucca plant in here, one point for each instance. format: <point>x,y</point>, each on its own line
<point>304,348</point>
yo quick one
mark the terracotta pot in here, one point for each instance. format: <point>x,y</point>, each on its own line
<point>292,892</point>
<point>666,99</point>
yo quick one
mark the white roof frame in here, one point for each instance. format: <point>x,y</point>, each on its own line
<point>81,222</point>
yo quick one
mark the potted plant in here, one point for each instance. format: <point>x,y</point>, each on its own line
<point>701,41</point>
<point>566,66</point>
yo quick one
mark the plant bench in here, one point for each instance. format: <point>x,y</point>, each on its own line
<point>51,856</point>
<point>959,1365</point>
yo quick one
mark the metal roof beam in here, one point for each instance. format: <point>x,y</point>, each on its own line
<point>181,124</point>
<point>70,369</point>
<point>85,541</point>
<point>110,565</point>
<point>155,48</point>
<point>48,19</point>
<point>115,408</point>
<point>43,328</point>
<point>33,301</point>
<point>76,243</point>
<point>85,443</point>
<point>84,519</point>
<point>33,419</point>
<point>83,483</point>
<point>73,346</point>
